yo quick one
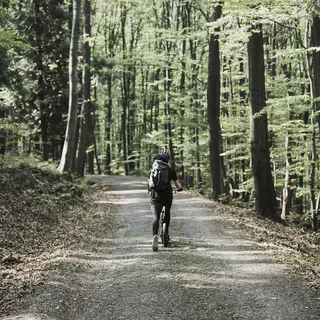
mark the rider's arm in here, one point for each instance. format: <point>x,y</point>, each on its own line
<point>177,184</point>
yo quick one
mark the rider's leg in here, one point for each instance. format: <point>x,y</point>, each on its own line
<point>167,216</point>
<point>156,208</point>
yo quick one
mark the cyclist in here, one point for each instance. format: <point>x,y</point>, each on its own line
<point>160,199</point>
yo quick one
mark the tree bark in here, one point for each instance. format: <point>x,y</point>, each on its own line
<point>314,79</point>
<point>213,95</point>
<point>86,81</point>
<point>265,196</point>
<point>315,39</point>
<point>41,83</point>
<point>168,125</point>
<point>287,190</point>
<point>68,152</point>
<point>3,135</point>
<point>125,94</point>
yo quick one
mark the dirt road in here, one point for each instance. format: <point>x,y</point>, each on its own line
<point>209,272</point>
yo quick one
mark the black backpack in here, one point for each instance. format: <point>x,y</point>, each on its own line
<point>159,176</point>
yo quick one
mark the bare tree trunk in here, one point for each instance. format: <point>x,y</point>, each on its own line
<point>125,94</point>
<point>265,196</point>
<point>156,101</point>
<point>287,190</point>
<point>108,124</point>
<point>68,151</point>
<point>167,87</point>
<point>214,111</point>
<point>314,80</point>
<point>90,154</point>
<point>41,84</point>
<point>3,135</point>
<point>86,103</point>
<point>315,39</point>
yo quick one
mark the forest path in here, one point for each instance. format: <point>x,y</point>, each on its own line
<point>208,272</point>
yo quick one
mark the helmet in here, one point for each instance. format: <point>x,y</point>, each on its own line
<point>164,156</point>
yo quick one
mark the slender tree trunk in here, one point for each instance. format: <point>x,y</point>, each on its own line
<point>86,81</point>
<point>3,135</point>
<point>265,196</point>
<point>287,190</point>
<point>214,111</point>
<point>182,90</point>
<point>96,155</point>
<point>167,88</point>
<point>131,117</point>
<point>314,79</point>
<point>91,136</point>
<point>108,124</point>
<point>68,152</point>
<point>185,20</point>
<point>315,39</point>
<point>156,99</point>
<point>41,84</point>
<point>125,94</point>
<point>90,154</point>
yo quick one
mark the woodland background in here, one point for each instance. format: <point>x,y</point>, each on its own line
<point>230,88</point>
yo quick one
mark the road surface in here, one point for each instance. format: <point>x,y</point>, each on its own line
<point>209,272</point>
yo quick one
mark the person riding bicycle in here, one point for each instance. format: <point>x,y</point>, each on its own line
<point>161,196</point>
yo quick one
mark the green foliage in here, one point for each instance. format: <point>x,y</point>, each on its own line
<point>150,73</point>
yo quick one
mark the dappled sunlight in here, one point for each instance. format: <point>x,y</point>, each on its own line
<point>197,218</point>
<point>243,265</point>
<point>25,316</point>
<point>192,201</point>
<point>207,279</point>
<point>126,192</point>
<point>135,183</point>
<point>259,269</point>
<point>63,284</point>
<point>121,201</point>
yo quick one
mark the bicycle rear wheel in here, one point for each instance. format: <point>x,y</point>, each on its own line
<point>161,223</point>
<point>165,235</point>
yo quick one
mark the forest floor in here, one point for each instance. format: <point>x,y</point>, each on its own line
<point>44,220</point>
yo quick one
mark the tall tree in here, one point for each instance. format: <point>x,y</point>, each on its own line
<point>265,196</point>
<point>125,92</point>
<point>41,84</point>
<point>68,152</point>
<point>314,79</point>
<point>86,82</point>
<point>213,93</point>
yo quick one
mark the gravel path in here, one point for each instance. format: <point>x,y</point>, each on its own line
<point>208,272</point>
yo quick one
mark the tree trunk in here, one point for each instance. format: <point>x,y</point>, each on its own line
<point>213,95</point>
<point>314,78</point>
<point>315,38</point>
<point>41,84</point>
<point>86,81</point>
<point>68,152</point>
<point>265,196</point>
<point>156,101</point>
<point>287,190</point>
<point>125,94</point>
<point>3,135</point>
<point>131,117</point>
<point>167,88</point>
<point>108,124</point>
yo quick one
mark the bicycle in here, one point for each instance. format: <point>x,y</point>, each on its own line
<point>164,229</point>
<point>164,234</point>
